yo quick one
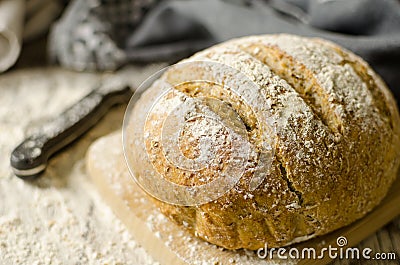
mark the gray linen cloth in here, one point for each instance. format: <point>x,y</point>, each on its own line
<point>105,34</point>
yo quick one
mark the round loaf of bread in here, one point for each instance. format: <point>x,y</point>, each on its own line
<point>335,140</point>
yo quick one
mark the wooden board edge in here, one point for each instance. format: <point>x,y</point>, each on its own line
<point>144,236</point>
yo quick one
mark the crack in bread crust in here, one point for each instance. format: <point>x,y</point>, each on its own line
<point>369,78</point>
<point>301,79</point>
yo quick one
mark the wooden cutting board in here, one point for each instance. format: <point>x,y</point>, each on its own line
<point>169,244</point>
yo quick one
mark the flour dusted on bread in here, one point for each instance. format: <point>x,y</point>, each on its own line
<point>335,139</point>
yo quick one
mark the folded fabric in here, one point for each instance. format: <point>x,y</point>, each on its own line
<point>11,21</point>
<point>104,34</point>
<point>23,21</point>
<point>91,34</point>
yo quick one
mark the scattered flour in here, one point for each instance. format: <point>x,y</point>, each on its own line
<point>60,218</point>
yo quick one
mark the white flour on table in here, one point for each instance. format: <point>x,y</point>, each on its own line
<point>60,218</point>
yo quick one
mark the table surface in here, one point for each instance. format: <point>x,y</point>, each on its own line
<point>60,218</point>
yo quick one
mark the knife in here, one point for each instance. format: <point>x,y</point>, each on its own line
<point>29,159</point>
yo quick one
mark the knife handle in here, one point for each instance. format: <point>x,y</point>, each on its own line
<point>30,158</point>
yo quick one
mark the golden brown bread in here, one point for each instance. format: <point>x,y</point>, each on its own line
<point>336,140</point>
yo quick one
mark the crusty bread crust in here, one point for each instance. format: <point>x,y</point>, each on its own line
<point>336,142</point>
